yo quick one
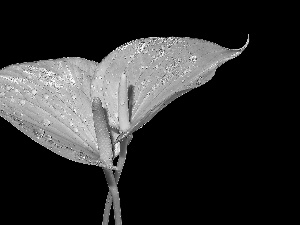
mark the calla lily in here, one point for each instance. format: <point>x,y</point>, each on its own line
<point>87,112</point>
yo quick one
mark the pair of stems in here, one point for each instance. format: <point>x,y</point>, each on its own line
<point>112,180</point>
<point>113,195</point>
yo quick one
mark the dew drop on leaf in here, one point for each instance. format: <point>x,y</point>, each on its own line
<point>46,122</point>
<point>33,92</point>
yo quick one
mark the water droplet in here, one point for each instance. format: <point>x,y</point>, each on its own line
<point>193,58</point>
<point>34,92</point>
<point>46,122</point>
<point>46,97</point>
<point>76,130</point>
<point>22,102</point>
<point>38,133</point>
<point>2,94</point>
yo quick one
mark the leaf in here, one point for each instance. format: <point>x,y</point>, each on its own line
<point>52,101</point>
<point>51,109</point>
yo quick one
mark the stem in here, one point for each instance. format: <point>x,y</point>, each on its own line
<point>109,198</point>
<point>121,161</point>
<point>116,200</point>
<point>115,197</point>
<point>122,156</point>
<point>107,209</point>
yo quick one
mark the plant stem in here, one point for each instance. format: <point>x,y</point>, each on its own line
<point>115,198</point>
<point>121,161</point>
<point>107,209</point>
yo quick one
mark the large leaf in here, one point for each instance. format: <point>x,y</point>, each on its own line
<point>51,101</point>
